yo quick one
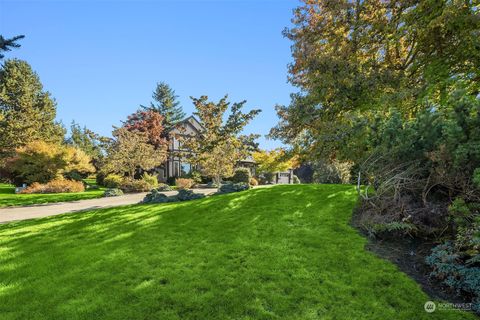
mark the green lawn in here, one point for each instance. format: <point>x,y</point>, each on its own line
<point>9,198</point>
<point>285,252</point>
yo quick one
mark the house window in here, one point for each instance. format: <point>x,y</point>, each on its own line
<point>176,170</point>
<point>186,168</point>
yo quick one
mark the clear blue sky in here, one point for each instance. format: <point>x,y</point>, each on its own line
<point>101,60</point>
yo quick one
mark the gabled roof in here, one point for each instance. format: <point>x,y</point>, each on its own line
<point>248,159</point>
<point>192,122</point>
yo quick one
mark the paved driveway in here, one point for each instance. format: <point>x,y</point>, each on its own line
<point>51,209</point>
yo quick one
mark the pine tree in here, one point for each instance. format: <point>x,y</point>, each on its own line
<point>86,140</point>
<point>166,104</point>
<point>27,113</point>
<point>7,44</point>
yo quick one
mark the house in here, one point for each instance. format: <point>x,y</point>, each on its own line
<point>175,166</point>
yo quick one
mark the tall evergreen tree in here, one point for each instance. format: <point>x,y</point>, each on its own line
<point>88,141</point>
<point>166,103</point>
<point>8,44</point>
<point>27,113</point>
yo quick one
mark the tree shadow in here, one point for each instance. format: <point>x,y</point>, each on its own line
<point>197,259</point>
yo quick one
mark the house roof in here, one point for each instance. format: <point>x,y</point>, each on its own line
<point>192,122</point>
<point>248,160</point>
<point>195,124</point>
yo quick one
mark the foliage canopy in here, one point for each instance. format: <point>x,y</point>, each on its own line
<point>221,144</point>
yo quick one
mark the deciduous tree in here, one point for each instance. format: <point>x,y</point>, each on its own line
<point>353,58</point>
<point>221,144</point>
<point>41,161</point>
<point>273,161</point>
<point>150,123</point>
<point>131,150</point>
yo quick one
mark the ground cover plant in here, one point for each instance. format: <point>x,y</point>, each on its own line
<point>8,197</point>
<point>113,192</point>
<point>282,252</point>
<point>155,196</point>
<point>233,187</point>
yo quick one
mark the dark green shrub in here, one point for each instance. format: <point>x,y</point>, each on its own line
<point>459,212</point>
<point>185,195</point>
<point>394,228</point>
<point>155,196</point>
<point>73,175</point>
<point>476,178</point>
<point>331,171</point>
<point>212,184</point>
<point>171,181</point>
<point>267,178</point>
<point>112,181</point>
<point>113,192</point>
<point>233,187</point>
<point>241,175</point>
<point>417,165</point>
<point>100,178</point>
<point>455,272</point>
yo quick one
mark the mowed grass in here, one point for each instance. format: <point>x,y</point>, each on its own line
<point>285,252</point>
<point>9,198</point>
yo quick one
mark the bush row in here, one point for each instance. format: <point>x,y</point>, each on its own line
<point>55,186</point>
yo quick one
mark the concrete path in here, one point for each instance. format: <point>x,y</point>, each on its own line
<point>51,209</point>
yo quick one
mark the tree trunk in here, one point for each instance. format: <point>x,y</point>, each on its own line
<point>216,179</point>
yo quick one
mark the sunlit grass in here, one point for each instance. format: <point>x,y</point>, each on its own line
<point>9,198</point>
<point>285,252</point>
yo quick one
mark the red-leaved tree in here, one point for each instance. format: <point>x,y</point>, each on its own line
<point>149,122</point>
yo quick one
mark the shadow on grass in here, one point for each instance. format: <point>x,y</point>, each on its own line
<point>268,253</point>
<point>10,199</point>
